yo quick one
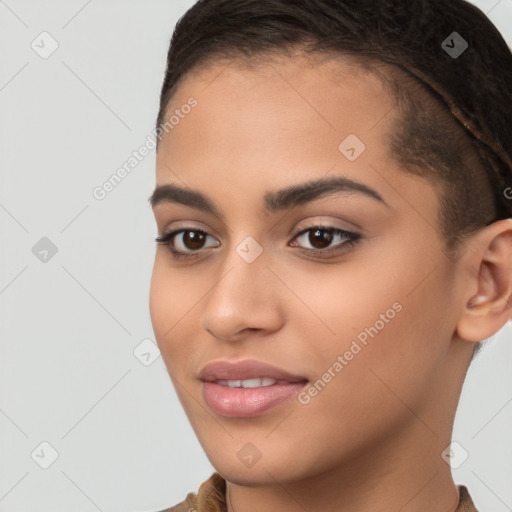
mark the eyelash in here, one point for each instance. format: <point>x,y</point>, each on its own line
<point>352,239</point>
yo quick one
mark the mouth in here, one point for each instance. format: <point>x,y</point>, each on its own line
<point>247,388</point>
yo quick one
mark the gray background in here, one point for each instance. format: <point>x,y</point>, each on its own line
<point>68,373</point>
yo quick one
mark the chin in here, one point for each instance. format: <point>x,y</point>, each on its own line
<point>263,472</point>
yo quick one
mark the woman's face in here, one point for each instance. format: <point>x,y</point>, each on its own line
<point>369,324</point>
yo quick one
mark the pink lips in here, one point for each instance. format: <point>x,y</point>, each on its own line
<point>246,402</point>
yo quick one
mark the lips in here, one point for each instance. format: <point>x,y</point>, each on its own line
<point>246,403</point>
<point>247,388</point>
<point>247,369</point>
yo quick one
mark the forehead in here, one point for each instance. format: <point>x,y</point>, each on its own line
<point>268,126</point>
<point>299,77</point>
<point>300,102</point>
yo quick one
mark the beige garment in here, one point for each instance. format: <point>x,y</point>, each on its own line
<point>211,497</point>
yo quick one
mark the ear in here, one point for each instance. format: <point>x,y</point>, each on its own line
<point>487,272</point>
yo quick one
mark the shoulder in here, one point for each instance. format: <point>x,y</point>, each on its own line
<point>465,503</point>
<point>183,506</point>
<point>209,498</point>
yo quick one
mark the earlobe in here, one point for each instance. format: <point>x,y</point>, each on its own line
<point>488,272</point>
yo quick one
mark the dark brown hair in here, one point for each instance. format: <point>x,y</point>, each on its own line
<point>453,122</point>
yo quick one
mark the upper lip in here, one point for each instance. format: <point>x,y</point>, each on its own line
<point>246,369</point>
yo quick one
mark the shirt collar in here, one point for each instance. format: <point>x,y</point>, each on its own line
<point>211,497</point>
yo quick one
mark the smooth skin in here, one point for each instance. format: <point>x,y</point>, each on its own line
<point>373,437</point>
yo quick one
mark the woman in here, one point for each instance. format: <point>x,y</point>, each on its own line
<point>333,206</point>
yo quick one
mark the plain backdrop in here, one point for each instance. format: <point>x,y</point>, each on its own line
<point>79,394</point>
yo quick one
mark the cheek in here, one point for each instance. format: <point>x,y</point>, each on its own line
<point>171,306</point>
<point>345,299</point>
<point>387,316</point>
<point>160,297</point>
<point>389,346</point>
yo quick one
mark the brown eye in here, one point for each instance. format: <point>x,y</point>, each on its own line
<point>193,240</point>
<point>184,242</point>
<point>190,243</point>
<point>320,238</point>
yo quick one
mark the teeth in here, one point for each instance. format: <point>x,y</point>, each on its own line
<point>249,383</point>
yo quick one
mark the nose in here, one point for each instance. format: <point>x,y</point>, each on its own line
<point>244,297</point>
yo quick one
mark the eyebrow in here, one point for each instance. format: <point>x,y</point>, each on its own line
<point>275,201</point>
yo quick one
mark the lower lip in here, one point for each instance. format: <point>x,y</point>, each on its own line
<point>248,402</point>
